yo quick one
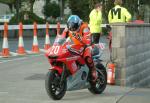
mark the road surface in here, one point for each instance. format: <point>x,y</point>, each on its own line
<point>22,81</point>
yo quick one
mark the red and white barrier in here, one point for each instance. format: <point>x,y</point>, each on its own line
<point>58,28</point>
<point>35,47</point>
<point>21,50</point>
<point>5,48</point>
<point>47,40</point>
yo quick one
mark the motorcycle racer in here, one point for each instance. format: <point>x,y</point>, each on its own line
<point>78,31</point>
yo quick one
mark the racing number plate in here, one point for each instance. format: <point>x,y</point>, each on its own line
<point>54,50</point>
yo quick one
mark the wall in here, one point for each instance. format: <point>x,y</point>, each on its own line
<point>131,51</point>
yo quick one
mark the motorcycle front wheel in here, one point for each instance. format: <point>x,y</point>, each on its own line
<point>54,89</point>
<point>99,86</point>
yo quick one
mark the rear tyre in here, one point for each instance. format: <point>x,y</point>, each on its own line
<point>53,87</point>
<point>99,86</point>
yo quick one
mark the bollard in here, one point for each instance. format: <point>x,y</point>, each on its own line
<point>58,28</point>
<point>5,48</point>
<point>47,40</point>
<point>35,47</point>
<point>21,50</point>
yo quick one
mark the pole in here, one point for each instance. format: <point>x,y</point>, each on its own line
<point>61,8</point>
<point>17,10</point>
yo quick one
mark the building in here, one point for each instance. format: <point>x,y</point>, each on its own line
<point>5,13</point>
<point>4,9</point>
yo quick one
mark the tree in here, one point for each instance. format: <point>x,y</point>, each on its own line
<point>29,4</point>
<point>84,7</point>
<point>51,9</point>
<point>80,8</point>
<point>7,1</point>
<point>62,5</point>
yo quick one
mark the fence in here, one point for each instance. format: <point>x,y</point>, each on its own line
<point>20,28</point>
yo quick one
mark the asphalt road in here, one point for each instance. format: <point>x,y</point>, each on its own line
<point>22,81</point>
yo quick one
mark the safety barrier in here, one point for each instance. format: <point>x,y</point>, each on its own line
<point>35,48</point>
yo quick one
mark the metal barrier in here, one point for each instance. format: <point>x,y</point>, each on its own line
<point>39,26</point>
<point>35,49</point>
<point>5,52</point>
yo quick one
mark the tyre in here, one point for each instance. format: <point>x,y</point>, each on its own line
<point>99,86</point>
<point>53,87</point>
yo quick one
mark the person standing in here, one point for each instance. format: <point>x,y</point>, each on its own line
<point>118,13</point>
<point>95,22</point>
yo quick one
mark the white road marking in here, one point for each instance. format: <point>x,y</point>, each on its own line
<point>3,92</point>
<point>29,52</point>
<point>42,50</point>
<point>17,59</point>
<point>13,53</point>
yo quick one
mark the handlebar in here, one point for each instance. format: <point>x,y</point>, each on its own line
<point>74,51</point>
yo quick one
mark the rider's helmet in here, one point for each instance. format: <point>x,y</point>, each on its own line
<point>74,23</point>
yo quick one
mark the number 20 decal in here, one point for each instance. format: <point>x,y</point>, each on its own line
<point>54,50</point>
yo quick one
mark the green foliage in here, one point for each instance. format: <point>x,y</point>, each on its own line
<point>80,8</point>
<point>93,2</point>
<point>51,9</point>
<point>7,1</point>
<point>31,18</point>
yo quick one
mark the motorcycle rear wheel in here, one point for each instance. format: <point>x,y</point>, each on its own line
<point>53,87</point>
<point>99,86</point>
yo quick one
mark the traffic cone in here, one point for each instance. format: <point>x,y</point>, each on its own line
<point>47,41</point>
<point>58,28</point>
<point>5,49</point>
<point>21,50</point>
<point>35,47</point>
<point>111,74</point>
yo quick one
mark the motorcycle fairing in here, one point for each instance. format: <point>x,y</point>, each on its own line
<point>58,68</point>
<point>76,81</point>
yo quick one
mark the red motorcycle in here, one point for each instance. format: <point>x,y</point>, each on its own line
<point>69,71</point>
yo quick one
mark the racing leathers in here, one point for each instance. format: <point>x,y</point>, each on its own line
<point>81,39</point>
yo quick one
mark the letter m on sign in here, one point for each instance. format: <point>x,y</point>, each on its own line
<point>116,12</point>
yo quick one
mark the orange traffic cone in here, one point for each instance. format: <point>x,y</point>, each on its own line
<point>5,49</point>
<point>35,47</point>
<point>47,41</point>
<point>58,28</point>
<point>111,74</point>
<point>21,50</point>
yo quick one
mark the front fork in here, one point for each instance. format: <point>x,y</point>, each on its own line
<point>63,75</point>
<point>61,71</point>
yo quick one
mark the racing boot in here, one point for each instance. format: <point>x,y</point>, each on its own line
<point>92,70</point>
